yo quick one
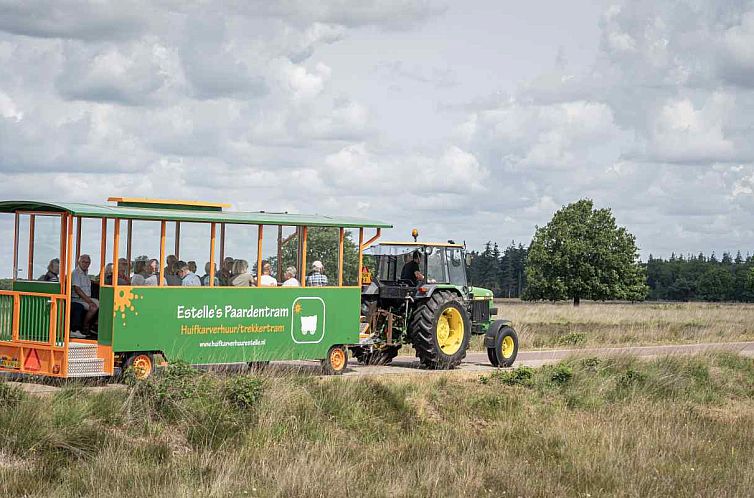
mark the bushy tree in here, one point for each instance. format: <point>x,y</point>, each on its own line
<point>582,254</point>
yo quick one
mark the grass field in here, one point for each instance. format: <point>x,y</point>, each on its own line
<point>586,427</point>
<point>545,325</point>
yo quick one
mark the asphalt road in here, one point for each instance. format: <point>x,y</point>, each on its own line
<point>475,362</point>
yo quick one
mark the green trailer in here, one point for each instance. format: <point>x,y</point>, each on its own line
<point>233,318</point>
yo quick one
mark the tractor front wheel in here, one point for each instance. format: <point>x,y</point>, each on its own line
<point>440,331</point>
<point>505,348</point>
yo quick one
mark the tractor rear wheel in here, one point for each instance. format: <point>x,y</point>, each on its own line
<point>440,331</point>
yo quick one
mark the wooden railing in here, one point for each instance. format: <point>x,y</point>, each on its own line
<point>32,317</point>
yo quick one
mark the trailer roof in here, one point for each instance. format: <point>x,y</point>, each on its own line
<point>145,209</point>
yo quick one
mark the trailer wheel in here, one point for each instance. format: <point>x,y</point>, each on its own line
<point>440,331</point>
<point>336,361</point>
<point>506,348</point>
<point>142,365</point>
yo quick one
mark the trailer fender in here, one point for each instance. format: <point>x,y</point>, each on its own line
<point>491,334</point>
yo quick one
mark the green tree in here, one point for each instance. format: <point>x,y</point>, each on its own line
<point>322,245</point>
<point>582,254</point>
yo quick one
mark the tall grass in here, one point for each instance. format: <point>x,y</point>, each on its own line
<point>546,325</point>
<point>672,426</point>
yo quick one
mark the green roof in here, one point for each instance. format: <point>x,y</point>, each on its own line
<point>189,215</point>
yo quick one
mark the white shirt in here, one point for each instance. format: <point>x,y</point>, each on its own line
<point>137,279</point>
<point>292,282</point>
<point>269,281</point>
<point>81,280</point>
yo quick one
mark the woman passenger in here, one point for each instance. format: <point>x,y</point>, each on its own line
<point>53,269</point>
<point>241,276</point>
<point>172,278</point>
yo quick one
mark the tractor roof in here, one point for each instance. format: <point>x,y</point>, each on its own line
<point>420,244</point>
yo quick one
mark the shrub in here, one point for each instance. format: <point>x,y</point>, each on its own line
<point>243,391</point>
<point>521,376</point>
<point>10,395</point>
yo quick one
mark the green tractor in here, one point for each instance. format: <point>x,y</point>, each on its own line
<point>418,294</point>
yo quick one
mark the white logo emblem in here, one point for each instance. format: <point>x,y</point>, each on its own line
<point>309,325</point>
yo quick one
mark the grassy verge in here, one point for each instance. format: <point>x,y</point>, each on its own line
<point>545,325</point>
<point>673,426</point>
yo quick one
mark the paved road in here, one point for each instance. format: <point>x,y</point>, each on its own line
<point>475,362</point>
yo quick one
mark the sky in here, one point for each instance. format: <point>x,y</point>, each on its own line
<point>471,121</point>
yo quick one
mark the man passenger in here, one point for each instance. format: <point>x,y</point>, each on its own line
<point>226,272</point>
<point>82,294</point>
<point>317,277</point>
<point>206,278</point>
<point>188,278</point>
<point>412,271</point>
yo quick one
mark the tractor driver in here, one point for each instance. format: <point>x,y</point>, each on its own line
<point>411,271</point>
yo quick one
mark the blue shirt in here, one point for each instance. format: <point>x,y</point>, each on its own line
<point>191,280</point>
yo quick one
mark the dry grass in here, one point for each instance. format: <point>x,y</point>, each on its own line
<point>586,427</point>
<point>545,325</point>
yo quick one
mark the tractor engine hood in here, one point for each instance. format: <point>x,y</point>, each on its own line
<point>481,293</point>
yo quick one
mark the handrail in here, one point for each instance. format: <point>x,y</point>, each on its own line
<point>34,318</point>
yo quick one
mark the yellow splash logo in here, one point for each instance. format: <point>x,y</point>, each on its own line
<point>124,302</point>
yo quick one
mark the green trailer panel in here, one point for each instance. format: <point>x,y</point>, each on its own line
<point>228,325</point>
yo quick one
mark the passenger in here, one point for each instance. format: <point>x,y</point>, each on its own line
<point>122,273</point>
<point>192,266</point>
<point>411,270</point>
<point>317,277</point>
<point>171,276</point>
<point>53,269</point>
<point>205,278</point>
<point>240,275</point>
<point>267,279</point>
<point>140,272</point>
<point>152,275</point>
<point>82,294</point>
<point>290,278</point>
<point>226,272</point>
<point>188,278</point>
<point>169,261</point>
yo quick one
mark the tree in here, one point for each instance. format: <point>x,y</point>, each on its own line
<point>322,245</point>
<point>582,254</point>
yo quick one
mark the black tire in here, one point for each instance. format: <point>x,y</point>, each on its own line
<point>141,363</point>
<point>492,357</point>
<point>424,331</point>
<point>377,357</point>
<point>504,339</point>
<point>336,361</point>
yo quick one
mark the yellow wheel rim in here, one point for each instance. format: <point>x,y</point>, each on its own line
<point>508,346</point>
<point>450,330</point>
<point>142,366</point>
<point>337,359</point>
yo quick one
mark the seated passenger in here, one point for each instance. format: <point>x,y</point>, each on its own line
<point>53,269</point>
<point>140,272</point>
<point>192,266</point>
<point>152,273</point>
<point>317,277</point>
<point>169,261</point>
<point>290,278</point>
<point>122,273</point>
<point>226,272</point>
<point>411,270</point>
<point>188,278</point>
<point>82,294</point>
<point>205,278</point>
<point>171,275</point>
<point>267,279</point>
<point>240,275</point>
